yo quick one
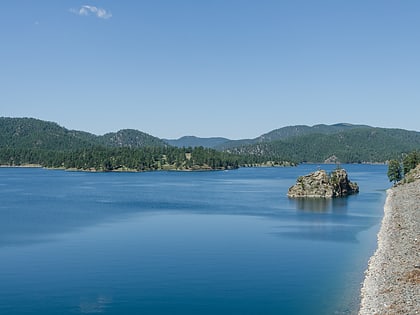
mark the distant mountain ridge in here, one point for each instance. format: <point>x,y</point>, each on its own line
<point>354,145</point>
<point>221,143</point>
<point>29,141</point>
<point>130,138</point>
<point>302,130</point>
<point>319,143</point>
<point>193,141</point>
<point>290,132</point>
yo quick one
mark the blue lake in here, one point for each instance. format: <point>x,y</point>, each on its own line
<point>225,242</point>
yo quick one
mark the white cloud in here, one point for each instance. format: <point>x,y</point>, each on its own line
<point>85,10</point>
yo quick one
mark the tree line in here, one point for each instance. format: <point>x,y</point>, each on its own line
<point>134,159</point>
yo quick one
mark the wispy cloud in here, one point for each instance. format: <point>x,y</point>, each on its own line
<point>86,10</point>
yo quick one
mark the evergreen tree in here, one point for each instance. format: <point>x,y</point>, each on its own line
<point>394,171</point>
<point>411,161</point>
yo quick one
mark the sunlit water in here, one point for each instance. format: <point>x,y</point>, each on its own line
<point>227,242</point>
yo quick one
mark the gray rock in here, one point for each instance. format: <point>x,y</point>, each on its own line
<point>319,184</point>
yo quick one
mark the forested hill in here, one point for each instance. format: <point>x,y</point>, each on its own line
<point>192,141</point>
<point>302,130</point>
<point>276,134</point>
<point>31,141</point>
<point>38,134</point>
<point>319,143</point>
<point>354,145</point>
<point>291,132</point>
<point>29,133</point>
<point>130,138</point>
<point>28,140</point>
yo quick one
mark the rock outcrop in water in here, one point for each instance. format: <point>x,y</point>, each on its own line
<point>319,184</point>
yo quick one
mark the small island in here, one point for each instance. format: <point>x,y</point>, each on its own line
<point>319,184</point>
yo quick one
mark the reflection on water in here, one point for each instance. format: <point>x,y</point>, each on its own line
<point>312,204</point>
<point>98,305</point>
<point>320,204</point>
<point>163,243</point>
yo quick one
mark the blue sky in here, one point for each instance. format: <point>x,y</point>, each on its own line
<point>232,68</point>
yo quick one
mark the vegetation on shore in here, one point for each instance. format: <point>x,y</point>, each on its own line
<point>127,159</point>
<point>32,141</point>
<point>399,169</point>
<point>121,159</point>
<point>26,141</point>
<point>342,143</point>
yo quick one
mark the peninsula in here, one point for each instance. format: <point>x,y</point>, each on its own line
<point>392,281</point>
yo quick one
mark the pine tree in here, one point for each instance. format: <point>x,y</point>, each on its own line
<point>411,161</point>
<point>394,171</point>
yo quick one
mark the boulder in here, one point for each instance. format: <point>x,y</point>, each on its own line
<point>319,184</point>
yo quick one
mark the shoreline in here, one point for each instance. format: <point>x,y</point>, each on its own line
<point>169,168</point>
<point>392,279</point>
<point>22,166</point>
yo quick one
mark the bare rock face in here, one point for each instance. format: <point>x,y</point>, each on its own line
<point>322,185</point>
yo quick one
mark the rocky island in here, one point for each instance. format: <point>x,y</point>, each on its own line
<point>319,184</point>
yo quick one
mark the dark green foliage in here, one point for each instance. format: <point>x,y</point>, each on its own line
<point>37,134</point>
<point>356,145</point>
<point>28,140</point>
<point>32,141</point>
<point>114,159</point>
<point>302,130</point>
<point>130,138</point>
<point>288,132</point>
<point>394,171</point>
<point>410,161</point>
<point>34,133</point>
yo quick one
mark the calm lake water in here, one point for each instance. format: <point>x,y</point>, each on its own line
<point>225,242</point>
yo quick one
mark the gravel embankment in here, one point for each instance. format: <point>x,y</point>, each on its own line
<point>392,281</point>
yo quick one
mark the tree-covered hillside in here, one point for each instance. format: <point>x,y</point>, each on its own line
<point>32,141</point>
<point>123,159</point>
<point>290,132</point>
<point>39,134</point>
<point>352,146</point>
<point>130,138</point>
<point>30,133</point>
<point>302,130</point>
<point>192,141</point>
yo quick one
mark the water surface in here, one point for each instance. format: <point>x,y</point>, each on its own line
<point>227,242</point>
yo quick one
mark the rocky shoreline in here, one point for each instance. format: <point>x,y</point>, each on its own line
<point>392,280</point>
